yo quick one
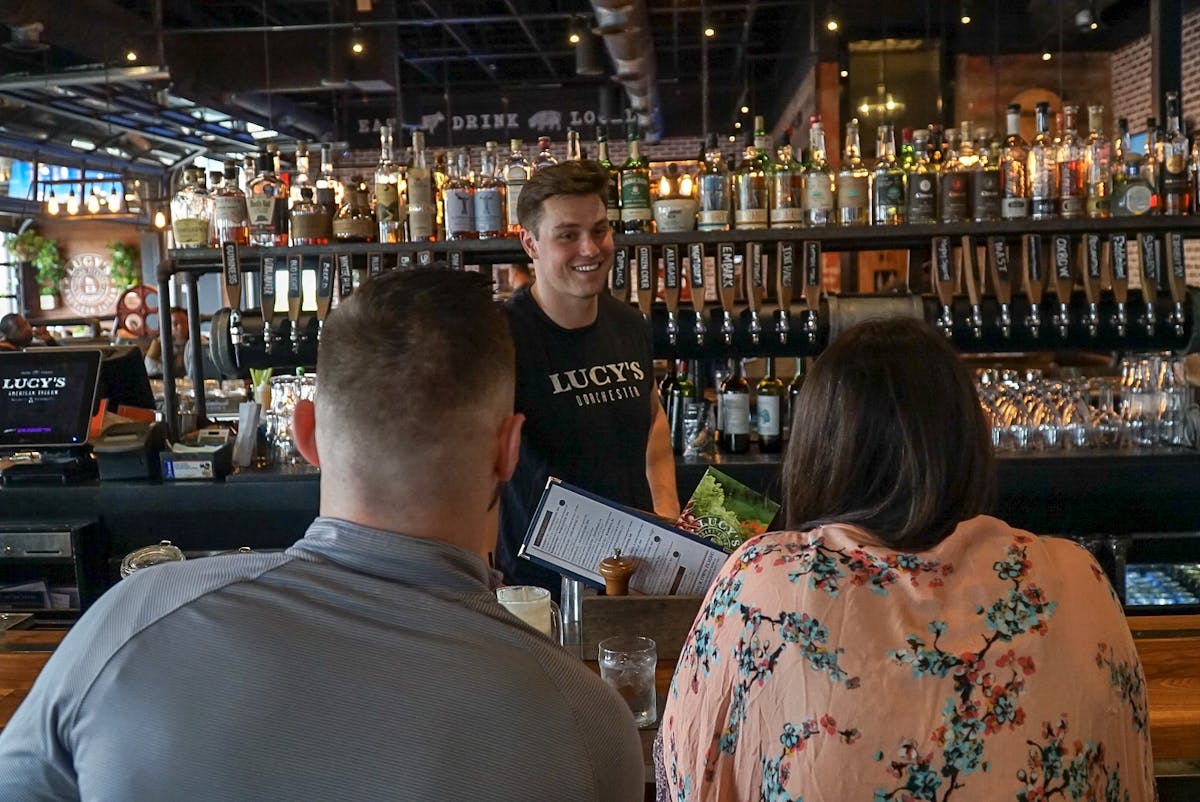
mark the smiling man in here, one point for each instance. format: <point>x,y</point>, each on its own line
<point>585,372</point>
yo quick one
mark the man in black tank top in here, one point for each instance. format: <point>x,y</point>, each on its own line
<point>585,373</point>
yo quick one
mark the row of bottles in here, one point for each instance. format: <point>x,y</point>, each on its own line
<point>761,412</point>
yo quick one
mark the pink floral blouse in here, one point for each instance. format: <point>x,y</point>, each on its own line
<point>826,667</point>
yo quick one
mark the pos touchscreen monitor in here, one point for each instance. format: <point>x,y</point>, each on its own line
<point>46,397</point>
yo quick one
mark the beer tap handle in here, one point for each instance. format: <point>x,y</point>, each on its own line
<point>812,287</point>
<point>231,272</point>
<point>1035,278</point>
<point>1177,279</point>
<point>295,298</point>
<point>785,261</point>
<point>647,279</point>
<point>1119,253</point>
<point>726,289</point>
<point>266,293</point>
<point>345,277</point>
<point>998,265</point>
<point>620,273</point>
<point>752,269</point>
<point>943,283</point>
<point>1150,277</point>
<point>1064,281</point>
<point>1092,279</point>
<point>696,284</point>
<point>325,279</point>
<point>671,290</point>
<point>970,272</point>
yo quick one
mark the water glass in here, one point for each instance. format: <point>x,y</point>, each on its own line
<point>277,419</point>
<point>627,663</point>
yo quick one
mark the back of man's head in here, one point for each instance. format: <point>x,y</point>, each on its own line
<point>15,329</point>
<point>415,370</point>
<point>567,178</point>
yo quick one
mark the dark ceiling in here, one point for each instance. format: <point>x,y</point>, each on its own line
<point>286,65</point>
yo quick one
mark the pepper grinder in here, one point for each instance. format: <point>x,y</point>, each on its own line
<point>616,571</point>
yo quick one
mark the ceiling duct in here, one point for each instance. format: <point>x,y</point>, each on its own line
<point>27,38</point>
<point>625,27</point>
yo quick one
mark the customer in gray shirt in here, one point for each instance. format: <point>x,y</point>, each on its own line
<point>368,661</point>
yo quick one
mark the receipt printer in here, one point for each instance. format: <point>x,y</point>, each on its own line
<point>130,450</point>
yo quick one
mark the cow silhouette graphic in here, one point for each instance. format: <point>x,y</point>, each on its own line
<point>430,122</point>
<point>546,120</point>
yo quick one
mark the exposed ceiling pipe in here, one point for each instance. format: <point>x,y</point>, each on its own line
<point>92,77</point>
<point>625,27</point>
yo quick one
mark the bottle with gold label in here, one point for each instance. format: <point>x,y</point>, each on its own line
<point>230,219</point>
<point>787,189</point>
<point>954,183</point>
<point>388,190</point>
<point>636,213</point>
<point>818,179</point>
<point>714,189</point>
<point>888,179</point>
<point>1072,187</point>
<point>751,202</point>
<point>422,202</point>
<point>516,173</point>
<point>1097,165</point>
<point>267,205</point>
<point>853,182</point>
<point>354,221</point>
<point>1175,189</point>
<point>190,213</point>
<point>309,222</point>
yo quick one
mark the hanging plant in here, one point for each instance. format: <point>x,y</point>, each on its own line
<point>126,261</point>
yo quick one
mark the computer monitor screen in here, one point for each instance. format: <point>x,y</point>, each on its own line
<point>46,397</point>
<point>123,379</point>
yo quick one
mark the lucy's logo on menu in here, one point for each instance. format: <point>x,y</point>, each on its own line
<point>600,384</point>
<point>34,383</point>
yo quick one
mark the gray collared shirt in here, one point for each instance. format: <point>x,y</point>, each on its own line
<point>358,664</point>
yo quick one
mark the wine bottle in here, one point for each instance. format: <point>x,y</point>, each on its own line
<point>733,413</point>
<point>770,393</point>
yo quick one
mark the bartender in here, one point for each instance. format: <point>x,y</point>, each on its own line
<point>181,354</point>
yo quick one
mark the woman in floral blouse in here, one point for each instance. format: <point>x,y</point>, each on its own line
<point>896,645</point>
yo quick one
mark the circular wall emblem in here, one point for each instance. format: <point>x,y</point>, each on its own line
<point>87,288</point>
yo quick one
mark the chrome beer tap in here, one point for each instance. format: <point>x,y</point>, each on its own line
<point>647,280</point>
<point>1176,280</point>
<point>784,275</point>
<point>726,289</point>
<point>266,280</point>
<point>812,288</point>
<point>1150,277</point>
<point>943,283</point>
<point>1092,278</point>
<point>325,279</point>
<point>752,269</point>
<point>1064,282</point>
<point>671,291</point>
<point>1035,280</point>
<point>696,286</point>
<point>231,270</point>
<point>1002,280</point>
<point>1119,251</point>
<point>970,270</point>
<point>295,297</point>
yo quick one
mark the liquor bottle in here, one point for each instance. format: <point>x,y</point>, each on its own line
<point>751,197</point>
<point>387,191</point>
<point>612,198</point>
<point>330,191</point>
<point>1175,189</point>
<point>267,205</point>
<point>516,173</point>
<point>545,157</point>
<point>853,182</point>
<point>787,189</point>
<point>936,146</point>
<point>309,222</point>
<point>1042,173</point>
<point>921,183</point>
<point>300,178</point>
<point>574,151</point>
<point>954,183</point>
<point>888,196</point>
<point>248,171</point>
<point>818,179</point>
<point>458,198</point>
<point>1151,168</point>
<point>908,150</point>
<point>1072,186</point>
<point>422,204</point>
<point>683,395</point>
<point>770,393</point>
<point>715,196</point>
<point>354,221</point>
<point>230,219</point>
<point>190,211</point>
<point>636,214</point>
<point>1097,165</point>
<point>489,198</point>
<point>793,392</point>
<point>666,384</point>
<point>1014,166</point>
<point>733,412</point>
<point>441,175</point>
<point>983,164</point>
<point>1194,172</point>
<point>1133,195</point>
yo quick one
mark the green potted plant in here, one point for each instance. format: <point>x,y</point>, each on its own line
<point>42,253</point>
<point>126,265</point>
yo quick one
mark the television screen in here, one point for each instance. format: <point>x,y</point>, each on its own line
<point>123,379</point>
<point>46,397</point>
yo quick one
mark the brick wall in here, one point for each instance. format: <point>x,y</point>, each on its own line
<point>985,85</point>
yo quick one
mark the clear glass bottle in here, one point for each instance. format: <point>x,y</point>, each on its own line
<point>818,179</point>
<point>458,198</point>
<point>984,168</point>
<point>309,222</point>
<point>545,156</point>
<point>1151,167</point>
<point>770,394</point>
<point>267,205</point>
<point>954,183</point>
<point>1175,189</point>
<point>230,218</point>
<point>733,412</point>
<point>1070,159</point>
<point>793,392</point>
<point>191,212</point>
<point>422,200</point>
<point>516,173</point>
<point>1042,172</point>
<point>853,182</point>
<point>921,183</point>
<point>354,221</point>
<point>1097,165</point>
<point>715,195</point>
<point>329,191</point>
<point>787,189</point>
<point>888,179</point>
<point>489,198</point>
<point>636,215</point>
<point>683,395</point>
<point>1133,195</point>
<point>751,196</point>
<point>301,177</point>
<point>1014,167</point>
<point>612,199</point>
<point>388,201</point>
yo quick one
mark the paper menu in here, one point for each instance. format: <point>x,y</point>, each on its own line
<point>573,530</point>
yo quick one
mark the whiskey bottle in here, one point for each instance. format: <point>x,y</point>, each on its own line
<point>770,394</point>
<point>300,178</point>
<point>715,196</point>
<point>190,214</point>
<point>354,221</point>
<point>489,198</point>
<point>388,191</point>
<point>1097,165</point>
<point>787,189</point>
<point>954,183</point>
<point>458,198</point>
<point>230,220</point>
<point>1133,195</point>
<point>1151,166</point>
<point>921,183</point>
<point>818,179</point>
<point>983,165</point>
<point>1072,190</point>
<point>636,214</point>
<point>1175,189</point>
<point>516,173</point>
<point>751,199</point>
<point>545,156</point>
<point>309,222</point>
<point>853,182</point>
<point>329,191</point>
<point>1043,175</point>
<point>267,205</point>
<point>422,202</point>
<point>733,412</point>
<point>612,198</point>
<point>1014,165</point>
<point>574,149</point>
<point>888,197</point>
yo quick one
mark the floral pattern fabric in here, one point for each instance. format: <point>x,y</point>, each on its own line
<point>826,666</point>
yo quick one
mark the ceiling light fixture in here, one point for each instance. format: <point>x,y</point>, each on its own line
<point>745,109</point>
<point>710,31</point>
<point>52,206</point>
<point>831,25</point>
<point>574,36</point>
<point>964,14</point>
<point>1047,56</point>
<point>357,45</point>
<point>845,73</point>
<point>131,55</point>
<point>72,202</point>
<point>93,203</point>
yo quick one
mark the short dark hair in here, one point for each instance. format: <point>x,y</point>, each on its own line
<point>567,178</point>
<point>15,329</point>
<point>888,435</point>
<point>411,356</point>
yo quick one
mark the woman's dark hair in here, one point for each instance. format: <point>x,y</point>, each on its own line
<point>888,435</point>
